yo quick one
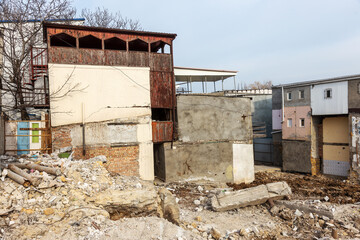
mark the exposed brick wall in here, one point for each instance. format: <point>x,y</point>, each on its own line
<point>61,137</point>
<point>122,160</point>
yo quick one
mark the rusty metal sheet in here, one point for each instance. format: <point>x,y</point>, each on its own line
<point>161,90</point>
<point>162,131</point>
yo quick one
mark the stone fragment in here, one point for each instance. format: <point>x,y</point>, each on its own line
<point>169,207</point>
<point>49,211</point>
<point>215,233</point>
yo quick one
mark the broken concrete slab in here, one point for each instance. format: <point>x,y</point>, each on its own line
<point>250,196</point>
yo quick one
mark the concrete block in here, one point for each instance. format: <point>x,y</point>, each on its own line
<point>242,198</point>
<point>250,196</point>
<point>278,190</point>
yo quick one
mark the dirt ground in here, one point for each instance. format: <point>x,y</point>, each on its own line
<point>304,186</point>
<point>333,197</point>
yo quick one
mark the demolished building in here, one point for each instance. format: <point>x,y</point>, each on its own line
<point>112,92</point>
<point>319,121</point>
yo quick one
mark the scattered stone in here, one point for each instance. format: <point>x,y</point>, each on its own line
<point>298,213</point>
<point>215,233</point>
<point>49,211</point>
<point>197,202</point>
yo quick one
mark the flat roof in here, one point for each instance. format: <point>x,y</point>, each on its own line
<point>101,29</point>
<point>320,81</point>
<point>183,74</point>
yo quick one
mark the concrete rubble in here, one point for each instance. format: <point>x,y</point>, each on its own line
<point>85,201</point>
<point>84,189</point>
<point>225,201</point>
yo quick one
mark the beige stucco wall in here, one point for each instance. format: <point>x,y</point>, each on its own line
<point>107,93</point>
<point>336,130</point>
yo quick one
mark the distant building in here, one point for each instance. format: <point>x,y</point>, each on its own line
<point>319,124</point>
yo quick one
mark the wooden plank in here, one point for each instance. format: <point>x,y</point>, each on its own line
<point>15,150</point>
<point>34,129</point>
<point>27,121</point>
<point>27,135</point>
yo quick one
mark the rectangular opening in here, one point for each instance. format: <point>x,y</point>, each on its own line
<point>302,122</point>
<point>161,114</point>
<point>301,94</point>
<point>289,96</point>
<point>159,161</point>
<point>328,93</point>
<point>289,122</point>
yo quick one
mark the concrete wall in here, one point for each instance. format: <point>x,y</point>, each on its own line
<point>116,111</point>
<point>276,98</point>
<point>214,161</point>
<point>354,94</point>
<point>296,101</point>
<point>296,156</point>
<point>296,132</point>
<point>337,104</point>
<point>207,118</point>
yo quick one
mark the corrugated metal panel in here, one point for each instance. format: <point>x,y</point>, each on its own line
<point>337,104</point>
<point>162,131</point>
<point>338,168</point>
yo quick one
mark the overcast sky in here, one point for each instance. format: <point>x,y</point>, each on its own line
<point>279,40</point>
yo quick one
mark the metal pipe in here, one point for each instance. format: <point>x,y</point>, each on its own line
<point>214,87</point>
<point>234,83</point>
<point>222,83</point>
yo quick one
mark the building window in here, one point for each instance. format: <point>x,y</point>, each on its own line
<point>328,93</point>
<point>289,122</point>
<point>301,94</point>
<point>289,96</point>
<point>302,122</point>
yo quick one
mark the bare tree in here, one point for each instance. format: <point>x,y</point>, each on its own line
<point>102,17</point>
<point>258,85</point>
<point>21,28</point>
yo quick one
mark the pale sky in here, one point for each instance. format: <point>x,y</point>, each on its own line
<point>279,40</point>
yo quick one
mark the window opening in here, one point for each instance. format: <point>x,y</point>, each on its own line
<point>138,45</point>
<point>62,40</point>
<point>302,122</point>
<point>301,94</point>
<point>289,96</point>
<point>115,44</point>
<point>328,93</point>
<point>289,122</point>
<point>90,42</point>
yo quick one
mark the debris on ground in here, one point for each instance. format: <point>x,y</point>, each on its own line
<point>225,201</point>
<point>82,200</point>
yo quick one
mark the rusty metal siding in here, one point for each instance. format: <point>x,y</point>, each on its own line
<point>162,131</point>
<point>161,94</point>
<point>160,62</point>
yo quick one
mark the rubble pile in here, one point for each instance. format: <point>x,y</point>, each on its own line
<point>83,190</point>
